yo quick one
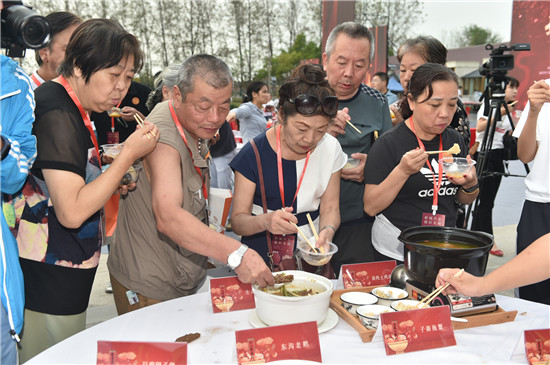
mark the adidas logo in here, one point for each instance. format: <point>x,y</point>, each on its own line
<point>444,190</point>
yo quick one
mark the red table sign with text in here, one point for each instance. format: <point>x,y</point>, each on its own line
<point>418,329</point>
<point>230,294</point>
<point>292,341</point>
<point>126,353</point>
<point>367,274</point>
<point>537,346</point>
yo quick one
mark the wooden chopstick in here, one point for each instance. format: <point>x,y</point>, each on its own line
<point>303,236</point>
<point>436,292</point>
<point>312,226</point>
<point>140,122</point>
<point>314,231</point>
<point>354,127</point>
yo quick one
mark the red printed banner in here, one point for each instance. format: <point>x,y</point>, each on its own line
<point>230,294</point>
<point>537,346</point>
<point>367,274</point>
<point>123,353</point>
<point>418,329</point>
<point>292,341</point>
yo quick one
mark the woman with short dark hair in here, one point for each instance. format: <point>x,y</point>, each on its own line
<point>59,228</point>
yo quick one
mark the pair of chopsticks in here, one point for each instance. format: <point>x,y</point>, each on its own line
<point>437,291</point>
<point>315,249</point>
<point>140,122</point>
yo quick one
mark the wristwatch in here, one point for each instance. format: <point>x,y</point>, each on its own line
<point>234,258</point>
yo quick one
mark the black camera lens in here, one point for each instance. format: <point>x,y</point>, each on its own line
<point>25,27</point>
<point>33,30</point>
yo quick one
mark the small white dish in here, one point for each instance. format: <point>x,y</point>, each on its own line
<point>329,323</point>
<point>354,299</point>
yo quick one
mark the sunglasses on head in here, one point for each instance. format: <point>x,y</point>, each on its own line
<point>308,104</point>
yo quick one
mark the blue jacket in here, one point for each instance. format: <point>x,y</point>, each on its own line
<point>16,119</point>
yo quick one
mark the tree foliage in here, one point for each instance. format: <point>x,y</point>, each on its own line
<point>259,39</point>
<point>399,15</point>
<point>473,35</point>
<point>283,64</point>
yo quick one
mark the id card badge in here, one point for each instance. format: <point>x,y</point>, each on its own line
<point>430,219</point>
<point>282,246</point>
<point>113,137</point>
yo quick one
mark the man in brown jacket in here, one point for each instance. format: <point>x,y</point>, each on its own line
<point>162,239</point>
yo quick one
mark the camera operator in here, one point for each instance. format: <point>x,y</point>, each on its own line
<point>62,26</point>
<point>483,216</point>
<point>18,147</point>
<point>18,154</point>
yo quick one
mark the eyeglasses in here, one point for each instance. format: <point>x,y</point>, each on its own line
<point>308,104</point>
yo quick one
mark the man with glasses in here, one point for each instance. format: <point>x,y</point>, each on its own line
<point>348,53</point>
<point>162,239</point>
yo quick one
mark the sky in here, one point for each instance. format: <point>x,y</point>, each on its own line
<point>444,18</point>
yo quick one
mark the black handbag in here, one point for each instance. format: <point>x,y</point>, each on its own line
<point>510,146</point>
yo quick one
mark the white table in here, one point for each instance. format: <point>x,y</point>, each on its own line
<point>164,322</point>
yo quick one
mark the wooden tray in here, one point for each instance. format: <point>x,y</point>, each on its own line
<point>475,320</point>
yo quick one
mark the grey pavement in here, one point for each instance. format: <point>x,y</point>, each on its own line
<point>506,214</point>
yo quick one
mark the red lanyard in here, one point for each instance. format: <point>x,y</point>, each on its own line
<point>36,81</point>
<point>180,129</point>
<point>83,114</point>
<point>437,184</point>
<point>280,169</point>
<point>113,119</point>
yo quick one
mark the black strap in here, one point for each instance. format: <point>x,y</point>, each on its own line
<point>264,201</point>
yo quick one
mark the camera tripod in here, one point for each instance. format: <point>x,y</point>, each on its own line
<point>496,102</point>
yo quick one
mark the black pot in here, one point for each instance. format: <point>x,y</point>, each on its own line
<point>422,263</point>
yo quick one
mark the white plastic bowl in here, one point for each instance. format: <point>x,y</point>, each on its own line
<point>314,258</point>
<point>387,294</point>
<point>352,162</point>
<point>456,166</point>
<point>370,314</point>
<point>112,150</point>
<point>352,300</point>
<point>276,310</point>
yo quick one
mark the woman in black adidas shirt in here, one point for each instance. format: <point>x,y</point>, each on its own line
<point>401,177</point>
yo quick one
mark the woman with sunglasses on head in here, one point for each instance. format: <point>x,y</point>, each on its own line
<point>400,177</point>
<point>250,114</point>
<point>300,169</point>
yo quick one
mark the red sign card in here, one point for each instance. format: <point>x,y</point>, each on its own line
<point>537,346</point>
<point>367,274</point>
<point>292,341</point>
<point>416,330</point>
<point>230,294</point>
<point>123,353</point>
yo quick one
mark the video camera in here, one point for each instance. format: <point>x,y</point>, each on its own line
<point>22,28</point>
<point>499,64</point>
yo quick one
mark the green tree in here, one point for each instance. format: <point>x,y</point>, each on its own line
<point>283,64</point>
<point>473,35</point>
<point>400,16</point>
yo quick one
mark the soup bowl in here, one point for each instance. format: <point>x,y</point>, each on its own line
<point>276,310</point>
<point>369,314</point>
<point>422,262</point>
<point>387,295</point>
<point>354,299</point>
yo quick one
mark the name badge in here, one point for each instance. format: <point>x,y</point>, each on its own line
<point>430,219</point>
<point>282,246</point>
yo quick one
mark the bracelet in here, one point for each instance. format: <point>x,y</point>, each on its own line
<point>470,190</point>
<point>328,226</point>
